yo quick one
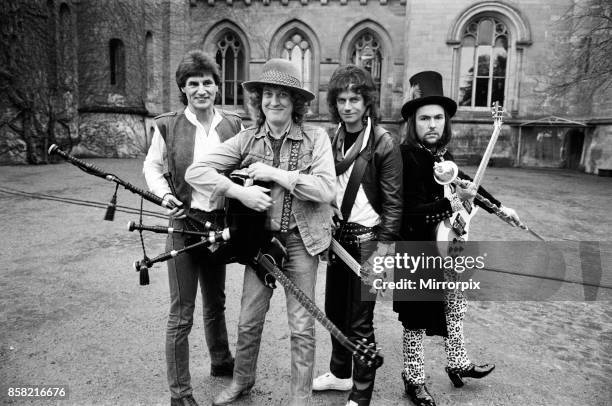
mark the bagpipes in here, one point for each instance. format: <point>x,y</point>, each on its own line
<point>244,239</point>
<point>238,246</point>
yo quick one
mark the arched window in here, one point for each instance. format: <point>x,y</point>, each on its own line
<point>488,41</point>
<point>230,57</point>
<point>483,59</point>
<point>298,50</point>
<point>369,45</point>
<point>117,63</point>
<point>366,52</point>
<point>297,42</point>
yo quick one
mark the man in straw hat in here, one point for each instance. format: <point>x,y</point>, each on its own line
<point>368,195</point>
<point>426,204</point>
<point>297,162</point>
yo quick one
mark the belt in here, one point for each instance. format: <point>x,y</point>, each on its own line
<point>353,233</point>
<point>283,238</point>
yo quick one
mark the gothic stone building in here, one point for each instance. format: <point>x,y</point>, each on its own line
<point>111,67</point>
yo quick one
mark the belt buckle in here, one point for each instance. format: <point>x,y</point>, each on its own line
<point>369,236</point>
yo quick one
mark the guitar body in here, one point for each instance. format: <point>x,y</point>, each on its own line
<point>454,230</point>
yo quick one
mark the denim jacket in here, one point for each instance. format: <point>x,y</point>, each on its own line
<point>312,185</point>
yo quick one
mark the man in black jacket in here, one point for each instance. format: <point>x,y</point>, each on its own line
<point>426,204</point>
<point>368,178</point>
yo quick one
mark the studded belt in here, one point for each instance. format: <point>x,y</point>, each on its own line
<point>353,233</point>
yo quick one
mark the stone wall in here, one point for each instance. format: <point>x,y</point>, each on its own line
<point>111,135</point>
<point>38,83</point>
<point>74,91</point>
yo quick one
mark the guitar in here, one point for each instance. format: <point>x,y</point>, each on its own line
<point>251,244</point>
<point>456,228</point>
<point>366,274</point>
<point>268,259</point>
<point>347,258</point>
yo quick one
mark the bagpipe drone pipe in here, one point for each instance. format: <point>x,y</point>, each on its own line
<point>239,239</point>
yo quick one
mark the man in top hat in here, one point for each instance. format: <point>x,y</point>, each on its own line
<point>179,139</point>
<point>297,161</point>
<point>368,194</point>
<point>426,204</point>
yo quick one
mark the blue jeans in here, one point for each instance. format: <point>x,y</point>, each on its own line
<point>301,268</point>
<point>184,272</point>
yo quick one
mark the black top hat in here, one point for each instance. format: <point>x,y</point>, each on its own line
<point>426,88</point>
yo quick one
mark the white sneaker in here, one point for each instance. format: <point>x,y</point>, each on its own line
<point>351,403</point>
<point>328,381</point>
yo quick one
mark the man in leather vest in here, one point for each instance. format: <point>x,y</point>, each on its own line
<point>179,139</point>
<point>368,193</point>
<point>297,162</point>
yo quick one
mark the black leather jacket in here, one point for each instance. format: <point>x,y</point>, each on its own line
<point>425,205</point>
<point>382,183</point>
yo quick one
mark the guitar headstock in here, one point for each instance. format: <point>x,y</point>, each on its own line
<point>497,112</point>
<point>367,354</point>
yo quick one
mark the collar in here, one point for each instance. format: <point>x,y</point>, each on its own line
<point>190,115</point>
<point>437,155</point>
<point>293,132</point>
<point>341,131</point>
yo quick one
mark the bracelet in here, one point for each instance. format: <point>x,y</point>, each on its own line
<point>456,203</point>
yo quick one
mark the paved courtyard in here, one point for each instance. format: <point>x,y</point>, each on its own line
<point>72,312</point>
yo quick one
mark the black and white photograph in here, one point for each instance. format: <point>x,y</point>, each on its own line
<point>306,202</point>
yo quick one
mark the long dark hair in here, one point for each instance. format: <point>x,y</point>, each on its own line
<point>410,135</point>
<point>300,106</point>
<point>356,79</point>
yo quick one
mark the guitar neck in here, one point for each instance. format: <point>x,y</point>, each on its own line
<point>305,301</point>
<point>343,254</point>
<point>485,158</point>
<point>498,113</point>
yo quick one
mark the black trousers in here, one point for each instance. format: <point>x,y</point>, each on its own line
<point>350,306</point>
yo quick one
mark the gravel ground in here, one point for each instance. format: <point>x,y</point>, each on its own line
<point>72,313</point>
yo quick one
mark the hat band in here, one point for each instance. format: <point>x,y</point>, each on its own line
<point>280,78</point>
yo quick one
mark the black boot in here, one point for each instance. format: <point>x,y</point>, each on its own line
<point>418,393</point>
<point>225,369</point>
<point>472,371</point>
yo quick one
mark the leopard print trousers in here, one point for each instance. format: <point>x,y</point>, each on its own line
<point>454,344</point>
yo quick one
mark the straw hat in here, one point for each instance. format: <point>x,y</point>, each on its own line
<point>279,72</point>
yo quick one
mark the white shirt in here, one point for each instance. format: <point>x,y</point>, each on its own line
<point>156,162</point>
<point>362,212</point>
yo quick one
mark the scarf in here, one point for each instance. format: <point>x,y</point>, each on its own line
<point>342,164</point>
